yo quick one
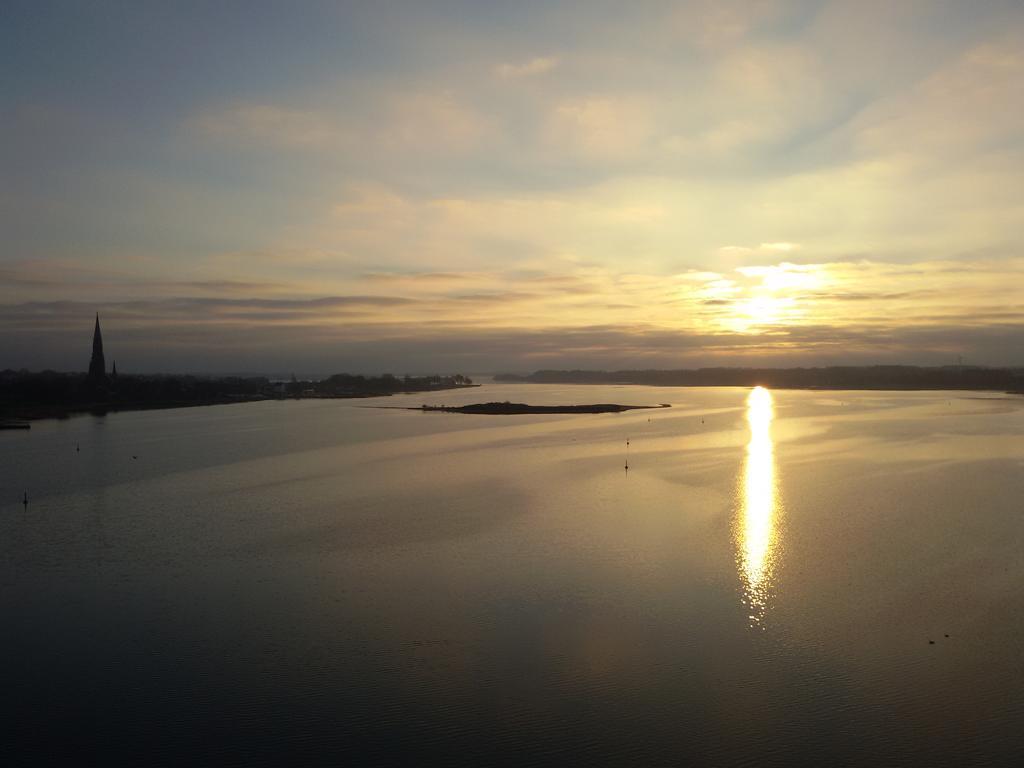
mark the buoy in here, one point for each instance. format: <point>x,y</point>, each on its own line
<point>24,499</point>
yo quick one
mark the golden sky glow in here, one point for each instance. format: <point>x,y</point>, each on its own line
<point>694,183</point>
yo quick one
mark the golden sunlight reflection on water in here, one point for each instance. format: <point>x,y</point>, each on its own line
<point>756,533</point>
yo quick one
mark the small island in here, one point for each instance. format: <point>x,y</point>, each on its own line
<point>515,409</point>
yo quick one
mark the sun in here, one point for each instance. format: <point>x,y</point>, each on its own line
<point>758,311</point>
<point>765,296</point>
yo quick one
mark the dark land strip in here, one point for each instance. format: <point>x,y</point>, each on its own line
<point>517,409</point>
<point>875,377</point>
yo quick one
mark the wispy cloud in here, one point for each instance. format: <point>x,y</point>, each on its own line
<point>538,65</point>
<point>868,310</point>
<point>395,119</point>
<point>268,124</point>
<point>721,177</point>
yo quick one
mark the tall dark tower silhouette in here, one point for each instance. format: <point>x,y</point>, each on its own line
<point>97,365</point>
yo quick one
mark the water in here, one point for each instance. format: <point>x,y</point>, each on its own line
<point>771,582</point>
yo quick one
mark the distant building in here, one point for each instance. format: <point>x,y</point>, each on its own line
<point>97,365</point>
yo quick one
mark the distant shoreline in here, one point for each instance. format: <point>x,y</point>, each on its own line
<point>1009,381</point>
<point>22,414</point>
<point>868,378</point>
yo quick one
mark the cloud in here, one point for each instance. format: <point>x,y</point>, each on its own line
<point>68,279</point>
<point>385,226</point>
<point>861,310</point>
<point>327,348</point>
<point>603,127</point>
<point>268,124</point>
<point>396,119</point>
<point>714,25</point>
<point>429,121</point>
<point>762,250</point>
<point>965,108</point>
<point>538,65</point>
<point>731,172</point>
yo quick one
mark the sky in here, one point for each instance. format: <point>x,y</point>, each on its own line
<point>476,187</point>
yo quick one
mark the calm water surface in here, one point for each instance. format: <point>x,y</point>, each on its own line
<point>778,578</point>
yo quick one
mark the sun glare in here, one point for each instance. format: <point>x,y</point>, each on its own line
<point>756,527</point>
<point>761,311</point>
<point>760,297</point>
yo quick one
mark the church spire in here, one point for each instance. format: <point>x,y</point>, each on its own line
<point>97,365</point>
